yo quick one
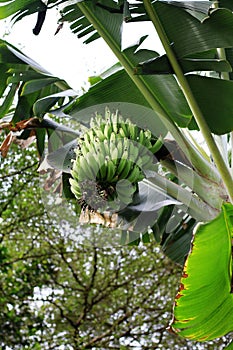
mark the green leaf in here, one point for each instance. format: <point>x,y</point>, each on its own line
<point>7,103</point>
<point>43,104</point>
<point>204,304</point>
<point>214,97</point>
<point>11,55</point>
<point>196,8</point>
<point>81,26</point>
<point>33,81</point>
<point>189,35</point>
<point>229,347</point>
<point>20,8</point>
<point>177,240</point>
<point>120,88</point>
<point>37,84</point>
<point>161,65</point>
<point>40,140</point>
<point>22,75</point>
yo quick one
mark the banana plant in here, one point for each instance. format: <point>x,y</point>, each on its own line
<point>188,88</point>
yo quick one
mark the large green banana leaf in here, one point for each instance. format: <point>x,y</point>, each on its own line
<point>204,304</point>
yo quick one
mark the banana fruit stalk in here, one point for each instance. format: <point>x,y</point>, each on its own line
<point>110,161</point>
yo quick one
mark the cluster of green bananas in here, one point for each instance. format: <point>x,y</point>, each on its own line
<point>102,128</point>
<point>110,161</point>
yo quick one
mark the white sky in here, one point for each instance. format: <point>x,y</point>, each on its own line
<point>64,55</point>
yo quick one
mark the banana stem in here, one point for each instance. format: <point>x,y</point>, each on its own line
<point>210,192</point>
<point>197,113</point>
<point>226,76</point>
<point>194,205</point>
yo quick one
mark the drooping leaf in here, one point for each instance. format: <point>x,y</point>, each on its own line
<point>204,304</point>
<point>33,90</point>
<point>43,105</point>
<point>145,209</point>
<point>37,84</point>
<point>161,65</point>
<point>10,54</point>
<point>150,198</point>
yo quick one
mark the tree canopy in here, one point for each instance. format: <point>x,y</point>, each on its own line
<point>56,292</point>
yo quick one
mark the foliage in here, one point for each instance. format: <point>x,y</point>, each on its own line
<point>177,88</point>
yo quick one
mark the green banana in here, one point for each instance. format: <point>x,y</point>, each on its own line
<point>107,114</point>
<point>86,138</point>
<point>126,170</point>
<point>121,165</point>
<point>102,168</point>
<point>111,170</point>
<point>85,149</point>
<point>133,131</point>
<point>75,188</point>
<point>111,158</point>
<point>107,148</point>
<point>115,121</point>
<point>86,168</point>
<point>108,128</point>
<point>115,156</point>
<point>92,135</point>
<point>92,162</point>
<point>100,134</point>
<point>133,152</point>
<point>157,145</point>
<point>135,175</point>
<point>124,128</point>
<point>119,147</point>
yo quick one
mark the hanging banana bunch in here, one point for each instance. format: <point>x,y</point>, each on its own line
<point>111,159</point>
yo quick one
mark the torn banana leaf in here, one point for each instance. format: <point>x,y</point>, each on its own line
<point>204,304</point>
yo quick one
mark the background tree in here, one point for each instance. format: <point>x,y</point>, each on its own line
<point>55,292</point>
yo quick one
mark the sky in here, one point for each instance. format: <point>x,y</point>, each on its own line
<point>64,55</point>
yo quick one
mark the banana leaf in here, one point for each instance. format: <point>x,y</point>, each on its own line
<point>20,8</point>
<point>204,304</point>
<point>161,65</point>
